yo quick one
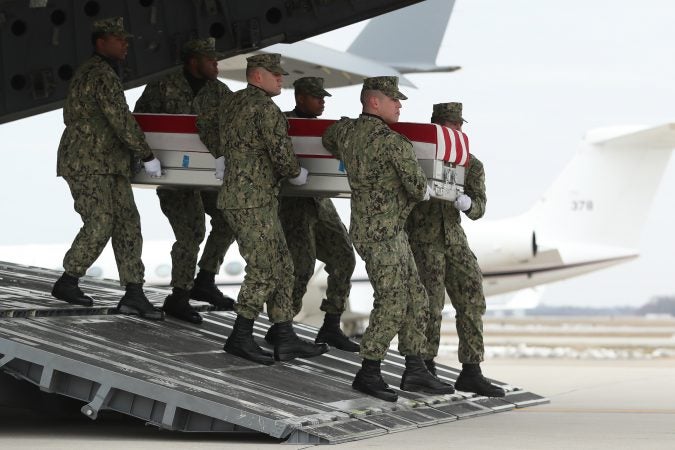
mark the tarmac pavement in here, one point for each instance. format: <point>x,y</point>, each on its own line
<point>595,404</point>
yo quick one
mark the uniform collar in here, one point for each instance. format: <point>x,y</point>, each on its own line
<point>303,115</point>
<point>256,88</point>
<point>374,116</point>
<point>115,65</point>
<point>196,84</point>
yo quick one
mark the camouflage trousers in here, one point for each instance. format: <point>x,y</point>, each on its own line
<point>185,209</point>
<point>313,229</point>
<point>107,208</point>
<point>269,267</point>
<point>400,302</point>
<point>453,269</point>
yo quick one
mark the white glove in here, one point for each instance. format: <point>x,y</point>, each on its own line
<point>220,168</point>
<point>463,202</point>
<point>153,168</point>
<point>300,179</point>
<point>427,194</point>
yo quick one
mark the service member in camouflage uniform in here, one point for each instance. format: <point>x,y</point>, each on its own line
<point>446,262</point>
<point>192,90</point>
<point>258,155</point>
<point>94,158</point>
<point>386,182</point>
<point>313,229</point>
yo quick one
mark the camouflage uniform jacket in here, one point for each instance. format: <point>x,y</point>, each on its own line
<point>384,176</point>
<point>101,135</point>
<point>438,221</point>
<point>258,151</point>
<point>173,95</point>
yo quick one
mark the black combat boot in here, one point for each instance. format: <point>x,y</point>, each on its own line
<point>241,343</point>
<point>431,366</point>
<point>289,346</point>
<point>205,290</point>
<point>66,289</point>
<point>369,381</point>
<point>471,379</point>
<point>331,334</point>
<point>177,304</point>
<point>416,378</point>
<point>271,335</point>
<point>135,302</point>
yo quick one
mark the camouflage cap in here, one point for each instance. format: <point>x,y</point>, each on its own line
<point>387,85</point>
<point>268,61</point>
<point>447,112</point>
<point>200,47</point>
<point>111,25</point>
<point>310,85</point>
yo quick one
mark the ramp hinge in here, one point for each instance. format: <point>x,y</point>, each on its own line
<point>92,408</point>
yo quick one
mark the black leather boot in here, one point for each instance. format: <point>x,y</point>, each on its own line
<point>431,366</point>
<point>177,304</point>
<point>471,379</point>
<point>205,290</point>
<point>289,346</point>
<point>271,335</point>
<point>331,334</point>
<point>416,378</point>
<point>369,381</point>
<point>66,288</point>
<point>136,303</point>
<point>241,343</point>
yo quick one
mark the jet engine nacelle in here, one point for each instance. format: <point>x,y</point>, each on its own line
<point>501,243</point>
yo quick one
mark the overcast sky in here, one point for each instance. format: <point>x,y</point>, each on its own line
<point>535,76</point>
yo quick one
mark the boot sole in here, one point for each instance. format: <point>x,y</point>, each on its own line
<point>354,349</point>
<point>123,309</point>
<point>70,302</point>
<point>291,356</point>
<point>427,390</point>
<point>73,302</point>
<point>267,361</point>
<point>190,319</point>
<point>478,391</point>
<point>386,397</point>
<point>219,304</point>
<point>483,394</point>
<point>186,314</point>
<point>343,348</point>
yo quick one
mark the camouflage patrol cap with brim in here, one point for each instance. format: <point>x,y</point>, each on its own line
<point>111,25</point>
<point>387,85</point>
<point>200,47</point>
<point>312,86</point>
<point>447,112</point>
<point>268,61</point>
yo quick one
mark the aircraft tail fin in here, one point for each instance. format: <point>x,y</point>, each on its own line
<point>412,37</point>
<point>604,194</point>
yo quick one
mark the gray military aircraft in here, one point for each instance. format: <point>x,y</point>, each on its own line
<point>43,41</point>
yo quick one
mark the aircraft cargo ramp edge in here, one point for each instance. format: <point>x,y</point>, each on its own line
<point>175,376</point>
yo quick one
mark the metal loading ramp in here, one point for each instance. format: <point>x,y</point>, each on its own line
<point>176,376</point>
